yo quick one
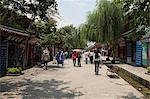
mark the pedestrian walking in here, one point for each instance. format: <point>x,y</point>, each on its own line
<point>45,57</point>
<point>62,58</point>
<point>91,55</point>
<point>74,56</point>
<point>57,58</point>
<point>66,54</point>
<point>96,61</point>
<point>79,59</point>
<point>86,55</point>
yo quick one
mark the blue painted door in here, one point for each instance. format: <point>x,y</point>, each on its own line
<point>138,53</point>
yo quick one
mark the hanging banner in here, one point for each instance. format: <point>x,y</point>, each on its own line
<point>144,54</point>
<point>138,53</point>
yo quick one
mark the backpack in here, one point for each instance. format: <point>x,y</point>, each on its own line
<point>97,55</point>
<point>79,55</point>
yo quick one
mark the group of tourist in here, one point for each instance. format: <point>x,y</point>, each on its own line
<point>60,57</point>
<point>93,56</point>
<point>76,56</point>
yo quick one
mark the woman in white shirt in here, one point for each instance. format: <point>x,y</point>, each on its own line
<point>86,55</point>
<point>97,61</point>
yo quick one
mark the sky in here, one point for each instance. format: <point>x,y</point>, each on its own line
<point>74,11</point>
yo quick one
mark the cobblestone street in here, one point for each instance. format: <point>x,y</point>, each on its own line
<point>68,82</point>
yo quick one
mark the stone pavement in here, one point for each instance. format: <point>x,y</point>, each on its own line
<point>139,71</point>
<point>66,83</point>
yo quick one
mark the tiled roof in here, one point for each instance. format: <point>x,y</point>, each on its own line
<point>13,30</point>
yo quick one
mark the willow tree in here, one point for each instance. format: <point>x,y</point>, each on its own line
<point>104,24</point>
<point>91,27</point>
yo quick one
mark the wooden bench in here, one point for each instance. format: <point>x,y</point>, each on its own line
<point>112,69</point>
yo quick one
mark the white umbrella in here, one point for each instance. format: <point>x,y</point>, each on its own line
<point>77,50</point>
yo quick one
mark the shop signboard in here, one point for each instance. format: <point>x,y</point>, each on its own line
<point>138,53</point>
<point>144,54</point>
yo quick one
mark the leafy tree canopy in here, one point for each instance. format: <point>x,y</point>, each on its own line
<point>30,15</point>
<point>137,15</point>
<point>36,9</point>
<point>12,19</point>
<point>68,36</point>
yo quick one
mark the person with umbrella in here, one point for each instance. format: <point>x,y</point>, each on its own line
<point>79,58</point>
<point>74,56</point>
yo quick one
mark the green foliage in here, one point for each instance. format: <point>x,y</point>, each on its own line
<point>44,28</point>
<point>104,24</point>
<point>20,68</point>
<point>18,15</point>
<point>148,69</point>
<point>67,36</point>
<point>73,37</point>
<point>37,9</point>
<point>14,70</point>
<point>137,16</point>
<point>11,18</point>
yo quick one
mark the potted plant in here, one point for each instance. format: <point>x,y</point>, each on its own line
<point>148,69</point>
<point>14,71</point>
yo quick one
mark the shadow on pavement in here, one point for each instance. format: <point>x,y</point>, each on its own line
<point>47,89</point>
<point>113,76</point>
<point>54,66</point>
<point>131,96</point>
